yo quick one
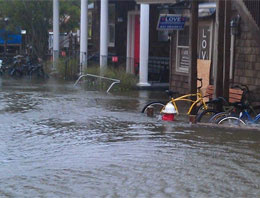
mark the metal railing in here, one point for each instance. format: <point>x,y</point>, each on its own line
<point>115,81</point>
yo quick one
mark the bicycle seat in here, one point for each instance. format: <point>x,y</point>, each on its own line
<point>171,93</point>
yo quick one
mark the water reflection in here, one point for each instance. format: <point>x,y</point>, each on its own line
<point>57,141</point>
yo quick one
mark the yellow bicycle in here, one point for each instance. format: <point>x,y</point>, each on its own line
<point>199,103</point>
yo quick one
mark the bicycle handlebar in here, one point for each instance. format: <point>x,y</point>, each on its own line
<point>242,87</point>
<point>245,89</point>
<point>247,96</point>
<point>199,79</point>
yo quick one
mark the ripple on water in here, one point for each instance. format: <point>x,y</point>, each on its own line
<point>60,142</point>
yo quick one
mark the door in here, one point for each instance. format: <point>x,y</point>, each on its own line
<point>137,44</point>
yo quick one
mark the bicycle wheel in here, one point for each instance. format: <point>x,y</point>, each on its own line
<point>218,117</point>
<point>157,107</point>
<point>205,115</point>
<point>254,111</point>
<point>211,105</point>
<point>257,120</point>
<point>231,121</point>
<point>35,73</point>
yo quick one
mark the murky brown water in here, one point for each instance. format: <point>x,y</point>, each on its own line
<point>58,141</point>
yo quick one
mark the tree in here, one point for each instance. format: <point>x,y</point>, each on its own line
<point>35,17</point>
<point>5,30</point>
<point>69,15</point>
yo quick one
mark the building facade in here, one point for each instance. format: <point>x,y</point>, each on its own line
<point>124,38</point>
<point>244,42</point>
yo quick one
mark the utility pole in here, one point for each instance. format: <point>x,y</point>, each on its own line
<point>83,35</point>
<point>227,49</point>
<point>103,36</point>
<point>219,48</point>
<point>56,33</point>
<point>193,41</point>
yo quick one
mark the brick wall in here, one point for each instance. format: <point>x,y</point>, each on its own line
<point>246,64</point>
<point>247,60</point>
<point>178,81</point>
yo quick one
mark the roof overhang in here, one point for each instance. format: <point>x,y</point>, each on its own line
<point>157,1</point>
<point>206,9</point>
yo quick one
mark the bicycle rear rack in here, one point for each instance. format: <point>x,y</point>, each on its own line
<point>116,81</point>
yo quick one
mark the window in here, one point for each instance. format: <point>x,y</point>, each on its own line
<point>111,25</point>
<point>182,52</point>
<point>163,35</point>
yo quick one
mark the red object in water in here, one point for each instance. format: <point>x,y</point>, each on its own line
<point>168,117</point>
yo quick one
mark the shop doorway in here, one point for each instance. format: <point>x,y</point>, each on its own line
<point>133,42</point>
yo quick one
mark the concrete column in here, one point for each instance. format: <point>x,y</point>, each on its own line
<point>103,35</point>
<point>83,35</point>
<point>56,33</point>
<point>144,45</point>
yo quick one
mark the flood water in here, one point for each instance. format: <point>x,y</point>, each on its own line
<point>61,141</point>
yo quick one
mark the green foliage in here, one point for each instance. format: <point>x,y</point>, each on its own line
<point>33,16</point>
<point>127,81</point>
<point>47,67</point>
<point>68,69</point>
<point>69,15</point>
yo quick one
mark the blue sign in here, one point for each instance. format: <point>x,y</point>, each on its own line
<point>11,39</point>
<point>171,22</point>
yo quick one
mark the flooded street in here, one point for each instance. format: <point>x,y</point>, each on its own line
<point>61,141</point>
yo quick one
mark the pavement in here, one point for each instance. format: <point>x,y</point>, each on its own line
<point>154,87</point>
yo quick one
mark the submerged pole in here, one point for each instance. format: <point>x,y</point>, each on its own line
<point>227,50</point>
<point>219,48</point>
<point>193,40</point>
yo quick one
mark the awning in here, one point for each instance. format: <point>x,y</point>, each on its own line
<point>207,9</point>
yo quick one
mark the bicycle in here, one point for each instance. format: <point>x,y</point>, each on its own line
<point>231,121</point>
<point>159,106</point>
<point>37,71</point>
<point>231,109</point>
<point>244,119</point>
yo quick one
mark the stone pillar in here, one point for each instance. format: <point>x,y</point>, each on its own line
<point>83,35</point>
<point>103,35</point>
<point>144,45</point>
<point>56,33</point>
